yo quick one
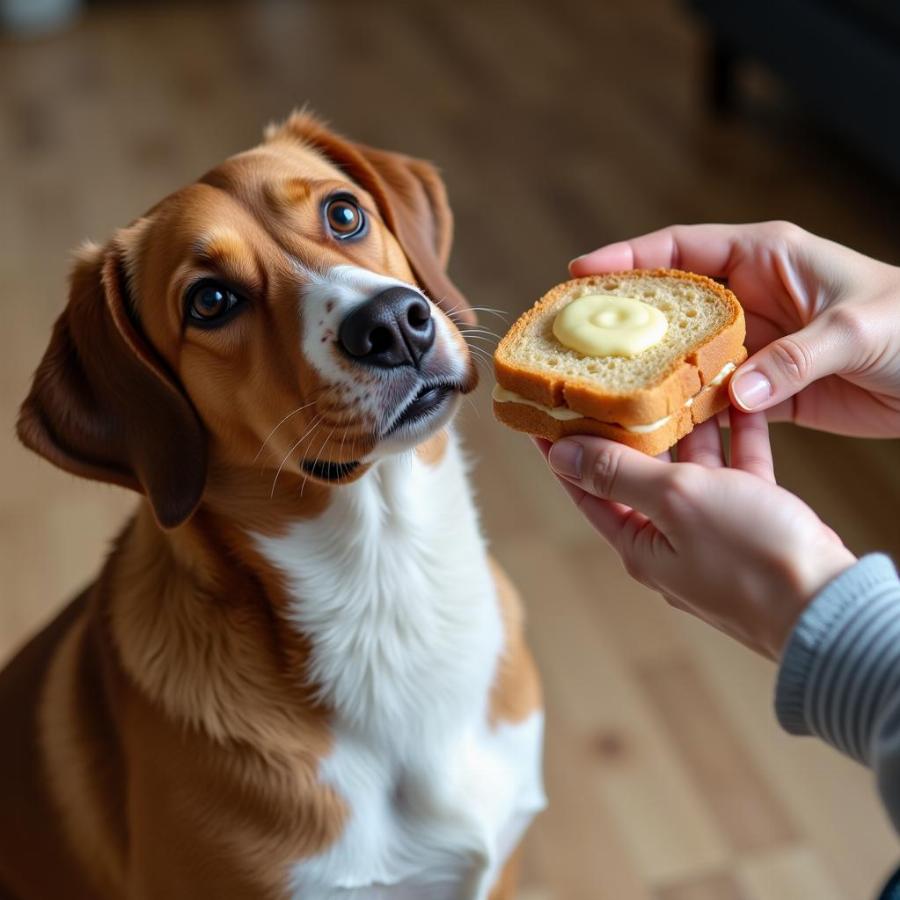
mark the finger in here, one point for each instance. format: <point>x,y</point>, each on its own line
<point>611,471</point>
<point>544,446</point>
<point>833,404</point>
<point>606,517</point>
<point>675,602</point>
<point>787,365</point>
<point>699,248</point>
<point>751,450</point>
<point>703,445</point>
<point>761,330</point>
<point>782,412</point>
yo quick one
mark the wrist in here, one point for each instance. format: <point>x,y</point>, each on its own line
<point>808,575</point>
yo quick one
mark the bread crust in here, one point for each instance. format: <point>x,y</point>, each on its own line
<point>684,378</point>
<point>530,420</point>
<point>708,403</point>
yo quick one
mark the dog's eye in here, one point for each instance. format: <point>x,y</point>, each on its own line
<point>208,302</point>
<point>344,216</point>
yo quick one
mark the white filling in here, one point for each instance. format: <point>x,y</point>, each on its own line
<point>502,395</point>
<point>727,369</point>
<point>650,426</point>
<point>563,413</point>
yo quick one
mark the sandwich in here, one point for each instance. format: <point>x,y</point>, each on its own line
<point>639,357</point>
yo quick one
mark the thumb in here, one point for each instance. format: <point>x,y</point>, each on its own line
<point>786,366</point>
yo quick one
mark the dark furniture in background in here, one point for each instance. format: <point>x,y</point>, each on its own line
<point>841,58</point>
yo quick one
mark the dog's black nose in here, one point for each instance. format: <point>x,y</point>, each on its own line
<point>394,328</point>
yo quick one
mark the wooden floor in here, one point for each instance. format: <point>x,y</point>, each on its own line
<point>559,126</point>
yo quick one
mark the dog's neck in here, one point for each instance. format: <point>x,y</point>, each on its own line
<point>374,603</point>
<point>390,586</point>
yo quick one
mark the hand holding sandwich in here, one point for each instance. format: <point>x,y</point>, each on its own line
<point>725,542</point>
<point>823,321</point>
<point>823,330</point>
<point>674,525</point>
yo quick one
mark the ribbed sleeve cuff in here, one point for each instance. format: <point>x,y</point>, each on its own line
<point>843,657</point>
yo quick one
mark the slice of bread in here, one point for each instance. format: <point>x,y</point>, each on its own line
<point>648,401</point>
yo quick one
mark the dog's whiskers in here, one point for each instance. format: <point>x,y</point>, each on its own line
<point>272,432</point>
<point>341,449</point>
<point>315,461</point>
<point>479,332</point>
<point>500,313</point>
<point>472,404</point>
<point>483,337</point>
<point>479,354</point>
<point>466,332</point>
<point>310,431</point>
<point>452,311</point>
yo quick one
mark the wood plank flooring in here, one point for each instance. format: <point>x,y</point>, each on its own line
<point>558,126</point>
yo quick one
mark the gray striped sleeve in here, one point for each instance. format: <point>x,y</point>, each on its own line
<point>840,672</point>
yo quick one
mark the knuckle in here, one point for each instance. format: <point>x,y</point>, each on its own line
<point>756,462</point>
<point>604,470</point>
<point>677,496</point>
<point>708,459</point>
<point>793,358</point>
<point>632,566</point>
<point>850,323</point>
<point>782,231</point>
<point>672,601</point>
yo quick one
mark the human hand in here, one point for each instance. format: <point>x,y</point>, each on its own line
<point>723,543</point>
<point>823,321</point>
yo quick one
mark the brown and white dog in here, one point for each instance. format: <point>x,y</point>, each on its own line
<point>298,674</point>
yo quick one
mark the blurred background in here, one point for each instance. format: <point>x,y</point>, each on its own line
<point>558,126</point>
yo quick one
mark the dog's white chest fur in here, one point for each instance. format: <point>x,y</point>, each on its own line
<point>393,590</point>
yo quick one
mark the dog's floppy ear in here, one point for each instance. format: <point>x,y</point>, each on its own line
<point>102,404</point>
<point>410,196</point>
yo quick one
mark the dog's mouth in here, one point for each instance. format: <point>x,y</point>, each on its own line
<point>426,401</point>
<point>426,404</point>
<point>329,471</point>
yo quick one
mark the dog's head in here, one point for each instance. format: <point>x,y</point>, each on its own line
<point>291,308</point>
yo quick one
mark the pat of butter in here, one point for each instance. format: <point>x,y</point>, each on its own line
<point>606,325</point>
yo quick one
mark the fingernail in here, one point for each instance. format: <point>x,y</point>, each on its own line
<point>578,258</point>
<point>751,389</point>
<point>565,458</point>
